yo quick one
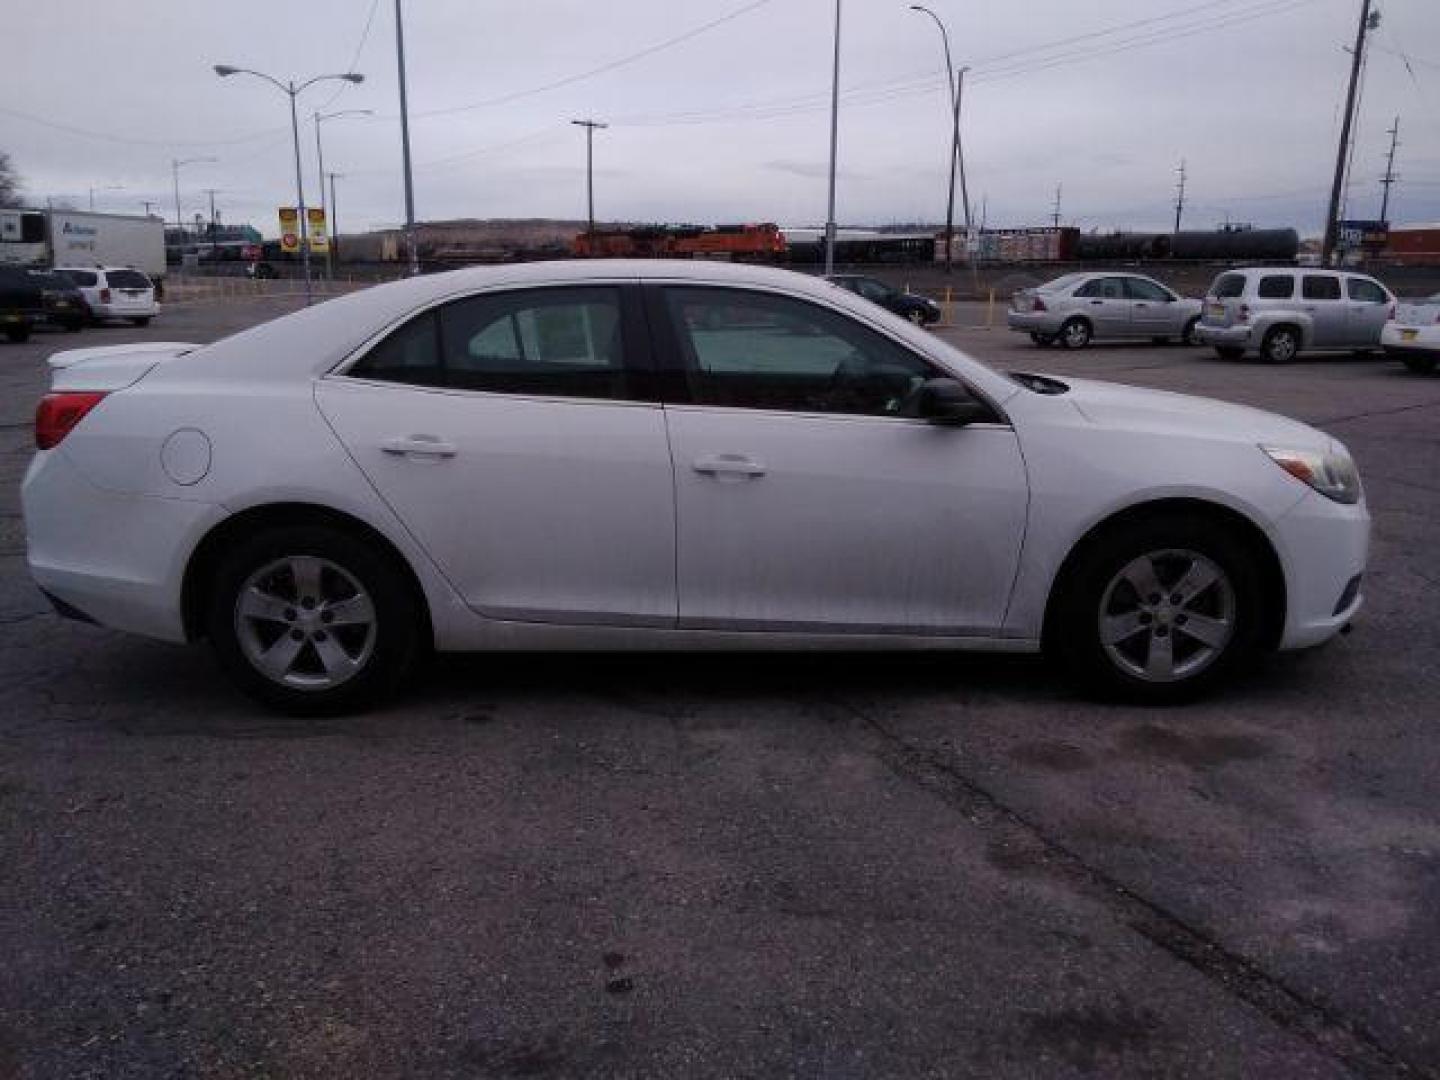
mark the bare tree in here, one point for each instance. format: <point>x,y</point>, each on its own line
<point>9,182</point>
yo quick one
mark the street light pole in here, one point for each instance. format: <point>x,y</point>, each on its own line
<point>954,138</point>
<point>292,91</point>
<point>175,164</point>
<point>834,145</point>
<point>405,146</point>
<point>320,160</point>
<point>590,126</point>
<point>334,217</point>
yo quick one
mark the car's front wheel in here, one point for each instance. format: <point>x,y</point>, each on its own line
<point>312,620</point>
<point>916,315</point>
<point>18,334</point>
<point>1421,365</point>
<point>1281,345</point>
<point>1187,335</point>
<point>1075,334</point>
<point>140,322</point>
<point>1159,610</point>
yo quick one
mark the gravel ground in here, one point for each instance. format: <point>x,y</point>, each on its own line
<point>815,865</point>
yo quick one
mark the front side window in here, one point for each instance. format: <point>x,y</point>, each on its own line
<point>1110,288</point>
<point>1140,289</point>
<point>1276,287</point>
<point>543,342</point>
<point>760,351</point>
<point>85,279</point>
<point>1321,287</point>
<point>1366,291</point>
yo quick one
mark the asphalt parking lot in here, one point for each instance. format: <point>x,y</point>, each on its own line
<point>819,866</point>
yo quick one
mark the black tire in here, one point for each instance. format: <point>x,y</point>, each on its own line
<point>1043,340</point>
<point>140,322</point>
<point>1075,333</point>
<point>17,335</point>
<point>1229,352</point>
<point>1281,345</point>
<point>74,326</point>
<point>916,315</point>
<point>1159,341</point>
<point>384,650</point>
<point>1091,579</point>
<point>1187,335</point>
<point>1421,365</point>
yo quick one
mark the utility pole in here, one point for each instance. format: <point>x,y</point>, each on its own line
<point>147,203</point>
<point>834,146</point>
<point>211,192</point>
<point>1180,194</point>
<point>334,229</point>
<point>1357,59</point>
<point>590,126</point>
<point>410,240</point>
<point>1055,209</point>
<point>1389,177</point>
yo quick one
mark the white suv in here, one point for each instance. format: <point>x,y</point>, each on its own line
<point>114,292</point>
<point>1278,311</point>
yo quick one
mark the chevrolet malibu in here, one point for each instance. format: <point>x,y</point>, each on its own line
<point>667,456</point>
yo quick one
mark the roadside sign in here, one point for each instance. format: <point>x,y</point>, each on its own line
<point>289,229</point>
<point>319,238</point>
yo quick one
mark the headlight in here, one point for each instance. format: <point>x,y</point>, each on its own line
<point>1331,473</point>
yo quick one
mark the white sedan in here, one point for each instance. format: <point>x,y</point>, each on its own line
<point>1412,335</point>
<point>667,456</point>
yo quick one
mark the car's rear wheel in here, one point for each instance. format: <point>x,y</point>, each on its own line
<point>1421,365</point>
<point>312,620</point>
<point>1281,345</point>
<point>141,322</point>
<point>1229,352</point>
<point>916,316</point>
<point>1043,340</point>
<point>1187,335</point>
<point>1160,610</point>
<point>1075,334</point>
<point>18,334</point>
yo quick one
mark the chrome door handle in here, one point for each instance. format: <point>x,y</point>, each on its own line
<point>1097,303</point>
<point>727,465</point>
<point>423,446</point>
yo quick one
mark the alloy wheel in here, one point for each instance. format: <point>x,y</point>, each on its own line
<point>1167,615</point>
<point>305,622</point>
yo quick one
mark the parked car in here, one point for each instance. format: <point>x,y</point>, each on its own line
<point>920,310</point>
<point>64,304</point>
<point>22,303</point>
<point>115,292</point>
<point>1279,312</point>
<point>1076,309</point>
<point>667,455</point>
<point>1413,335</point>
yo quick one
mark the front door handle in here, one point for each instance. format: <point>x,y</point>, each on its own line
<point>1097,303</point>
<point>727,465</point>
<point>420,446</point>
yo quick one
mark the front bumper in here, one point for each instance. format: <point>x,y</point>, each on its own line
<point>1234,337</point>
<point>1324,546</point>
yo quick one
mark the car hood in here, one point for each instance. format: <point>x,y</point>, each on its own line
<point>1112,405</point>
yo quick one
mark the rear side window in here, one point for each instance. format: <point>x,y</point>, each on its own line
<point>1321,287</point>
<point>1140,289</point>
<point>1228,286</point>
<point>1110,288</point>
<point>409,355</point>
<point>85,279</point>
<point>127,279</point>
<point>1276,287</point>
<point>1365,290</point>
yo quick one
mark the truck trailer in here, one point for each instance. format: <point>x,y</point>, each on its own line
<point>46,238</point>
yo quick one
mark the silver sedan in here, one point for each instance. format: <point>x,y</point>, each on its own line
<point>1078,308</point>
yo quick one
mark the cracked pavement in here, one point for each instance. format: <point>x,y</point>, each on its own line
<point>811,865</point>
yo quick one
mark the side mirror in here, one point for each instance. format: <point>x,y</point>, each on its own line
<point>946,401</point>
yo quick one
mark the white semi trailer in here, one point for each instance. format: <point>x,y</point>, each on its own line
<point>79,238</point>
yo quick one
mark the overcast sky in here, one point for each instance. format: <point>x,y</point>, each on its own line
<point>729,122</point>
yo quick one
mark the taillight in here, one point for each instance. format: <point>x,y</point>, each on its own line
<point>104,296</point>
<point>57,415</point>
<point>1244,313</point>
<point>1039,305</point>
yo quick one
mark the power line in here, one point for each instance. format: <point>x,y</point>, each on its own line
<point>623,61</point>
<point>355,58</point>
<point>124,140</point>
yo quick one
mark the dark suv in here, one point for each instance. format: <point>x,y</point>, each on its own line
<point>22,303</point>
<point>920,310</point>
<point>64,304</point>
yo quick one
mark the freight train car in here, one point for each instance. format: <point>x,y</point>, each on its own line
<point>743,243</point>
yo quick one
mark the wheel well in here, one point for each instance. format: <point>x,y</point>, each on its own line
<point>1299,330</point>
<point>1271,575</point>
<point>203,562</point>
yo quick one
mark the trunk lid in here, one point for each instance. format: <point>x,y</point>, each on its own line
<point>111,367</point>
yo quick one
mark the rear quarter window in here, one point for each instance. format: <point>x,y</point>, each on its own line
<point>1321,287</point>
<point>1228,286</point>
<point>1365,290</point>
<point>127,279</point>
<point>1276,287</point>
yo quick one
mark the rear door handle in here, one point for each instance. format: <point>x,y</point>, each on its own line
<point>727,465</point>
<point>1097,303</point>
<point>421,446</point>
